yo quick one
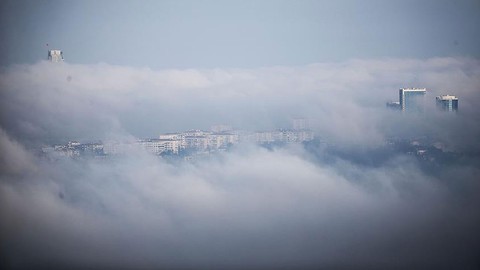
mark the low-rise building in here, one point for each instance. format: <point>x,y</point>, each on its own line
<point>159,146</point>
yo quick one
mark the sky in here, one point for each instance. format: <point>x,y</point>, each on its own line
<point>226,34</point>
<point>137,69</point>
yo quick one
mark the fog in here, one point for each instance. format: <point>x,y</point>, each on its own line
<point>346,101</point>
<point>297,206</point>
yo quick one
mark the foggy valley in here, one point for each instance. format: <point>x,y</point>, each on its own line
<point>279,165</point>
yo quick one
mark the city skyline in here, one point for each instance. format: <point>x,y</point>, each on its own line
<point>189,143</point>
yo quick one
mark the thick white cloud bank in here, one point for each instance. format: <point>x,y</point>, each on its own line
<point>346,101</point>
<point>248,208</point>
<point>251,208</point>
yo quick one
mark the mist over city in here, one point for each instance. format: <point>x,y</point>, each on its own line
<point>239,135</point>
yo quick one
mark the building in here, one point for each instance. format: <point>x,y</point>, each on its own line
<point>196,139</point>
<point>222,140</point>
<point>412,99</point>
<point>159,146</point>
<point>55,56</point>
<point>178,137</point>
<point>304,135</point>
<point>394,105</point>
<point>266,136</point>
<point>171,136</point>
<point>447,103</point>
<point>283,136</point>
<point>197,142</point>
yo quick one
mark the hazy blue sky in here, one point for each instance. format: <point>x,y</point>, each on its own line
<point>208,34</point>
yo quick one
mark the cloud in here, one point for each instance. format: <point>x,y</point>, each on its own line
<point>251,207</point>
<point>267,208</point>
<point>346,101</point>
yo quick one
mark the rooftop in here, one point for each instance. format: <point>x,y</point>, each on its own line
<point>413,89</point>
<point>447,97</point>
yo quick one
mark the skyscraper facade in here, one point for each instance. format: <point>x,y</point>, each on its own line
<point>412,99</point>
<point>55,55</point>
<point>447,103</point>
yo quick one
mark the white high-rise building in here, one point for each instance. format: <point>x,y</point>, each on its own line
<point>55,56</point>
<point>412,99</point>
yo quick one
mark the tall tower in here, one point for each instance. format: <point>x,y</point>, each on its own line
<point>55,56</point>
<point>447,103</point>
<point>412,99</point>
